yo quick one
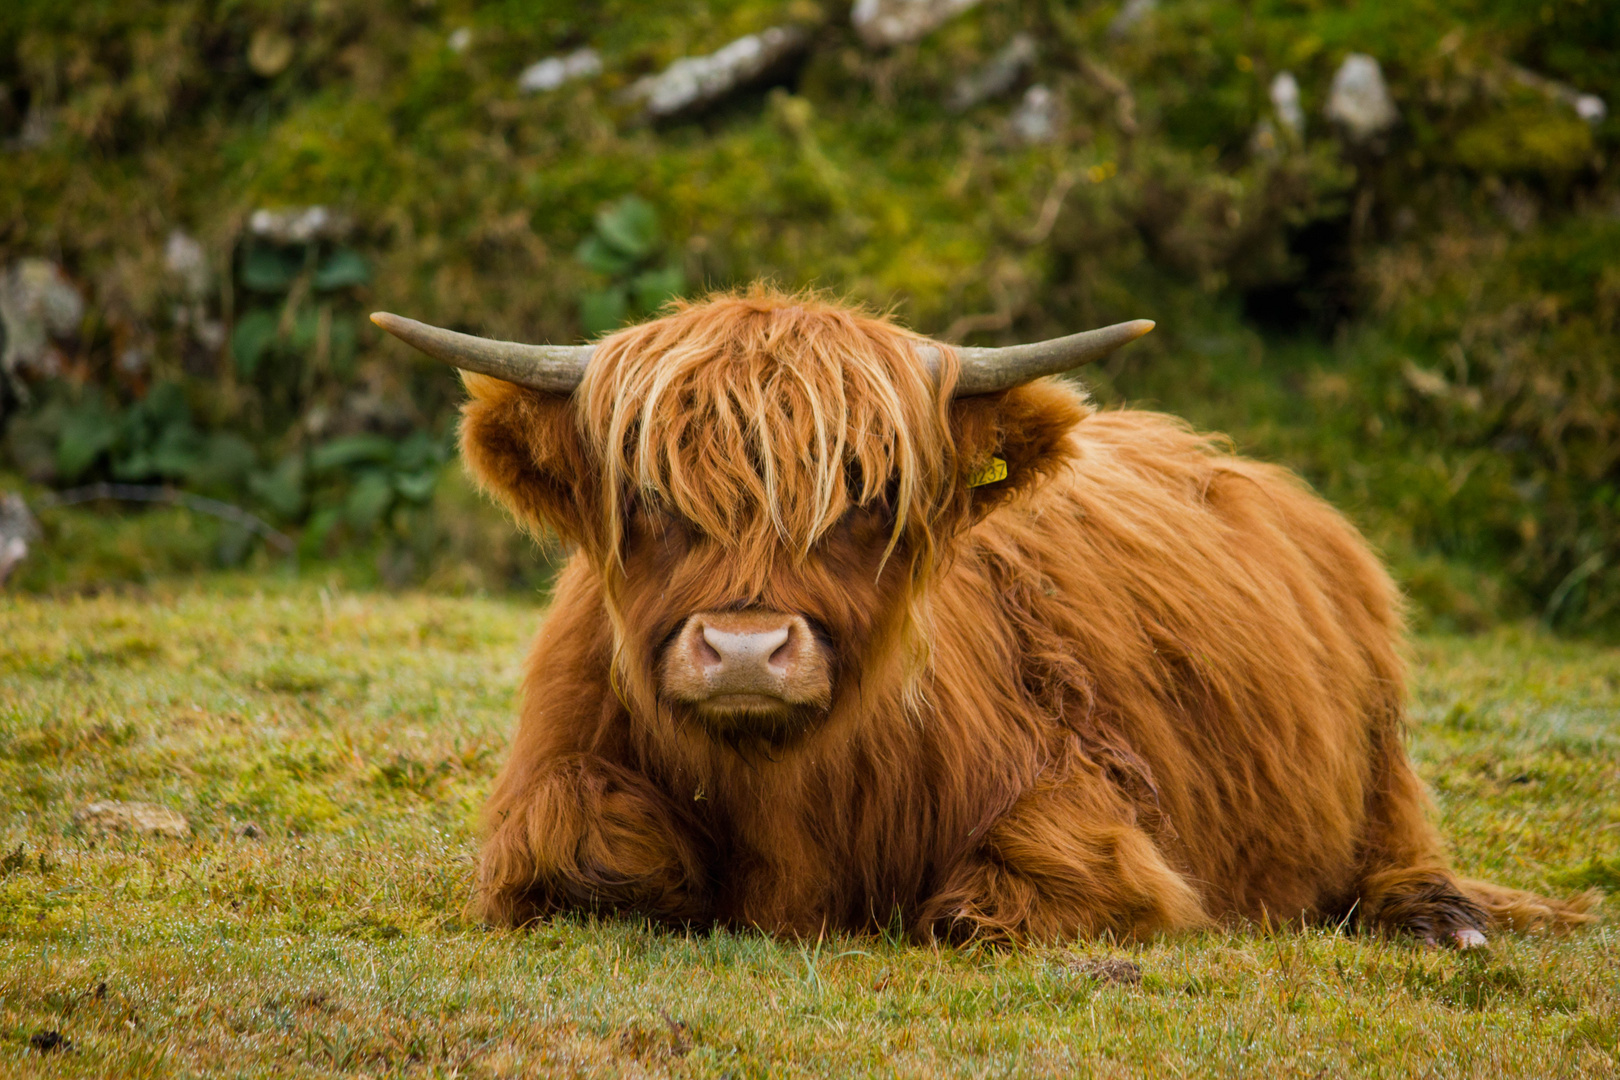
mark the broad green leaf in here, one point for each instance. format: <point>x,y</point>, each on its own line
<point>178,451</point>
<point>654,287</point>
<point>601,257</point>
<point>319,528</point>
<point>341,269</point>
<point>629,225</point>
<point>86,433</point>
<point>352,450</point>
<point>165,405</point>
<point>306,328</point>
<point>281,488</point>
<point>368,500</point>
<point>226,460</point>
<point>267,270</point>
<point>254,334</point>
<point>419,450</point>
<point>416,487</point>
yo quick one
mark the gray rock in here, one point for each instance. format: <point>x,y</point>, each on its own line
<point>1359,101</point>
<point>132,817</point>
<point>1130,17</point>
<point>18,530</point>
<point>187,261</point>
<point>459,39</point>
<point>1108,970</point>
<point>884,23</point>
<point>553,71</point>
<point>1285,103</point>
<point>996,77</point>
<point>695,81</point>
<point>37,303</point>
<point>299,225</point>
<point>1038,117</point>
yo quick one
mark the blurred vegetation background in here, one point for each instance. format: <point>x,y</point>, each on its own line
<point>1382,242</point>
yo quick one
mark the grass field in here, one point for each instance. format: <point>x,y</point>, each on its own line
<point>356,734</point>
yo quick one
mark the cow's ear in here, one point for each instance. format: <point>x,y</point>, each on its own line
<point>1010,442</point>
<point>523,447</point>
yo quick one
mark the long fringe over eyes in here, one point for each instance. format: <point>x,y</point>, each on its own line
<point>761,417</point>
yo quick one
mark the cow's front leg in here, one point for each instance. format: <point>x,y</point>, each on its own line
<point>1059,866</point>
<point>583,832</point>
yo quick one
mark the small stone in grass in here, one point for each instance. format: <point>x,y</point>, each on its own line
<point>1106,969</point>
<point>136,817</point>
<point>249,830</point>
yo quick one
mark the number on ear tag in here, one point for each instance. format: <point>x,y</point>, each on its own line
<point>991,472</point>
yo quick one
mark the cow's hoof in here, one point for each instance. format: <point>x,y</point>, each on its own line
<point>1457,939</point>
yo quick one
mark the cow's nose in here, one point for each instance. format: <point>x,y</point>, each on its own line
<point>732,658</point>
<point>741,650</point>
<point>745,667</point>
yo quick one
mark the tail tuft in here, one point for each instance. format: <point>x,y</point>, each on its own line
<point>1512,909</point>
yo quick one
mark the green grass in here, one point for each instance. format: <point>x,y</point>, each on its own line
<point>358,733</point>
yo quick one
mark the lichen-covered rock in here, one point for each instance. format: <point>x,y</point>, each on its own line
<point>695,81</point>
<point>299,225</point>
<point>185,259</point>
<point>1359,100</point>
<point>883,23</point>
<point>18,529</point>
<point>999,75</point>
<point>553,71</point>
<point>132,817</point>
<point>1038,117</point>
<point>38,303</point>
<point>1131,14</point>
<point>1284,94</point>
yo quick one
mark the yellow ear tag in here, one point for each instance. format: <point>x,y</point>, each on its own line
<point>992,471</point>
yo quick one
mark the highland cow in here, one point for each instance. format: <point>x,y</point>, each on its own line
<point>861,630</point>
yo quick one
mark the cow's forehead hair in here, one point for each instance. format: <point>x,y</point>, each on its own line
<point>748,414</point>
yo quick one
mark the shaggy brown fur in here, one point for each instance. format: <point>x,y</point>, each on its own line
<point>1141,685</point>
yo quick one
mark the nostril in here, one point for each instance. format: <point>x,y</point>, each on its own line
<point>703,652</point>
<point>784,655</point>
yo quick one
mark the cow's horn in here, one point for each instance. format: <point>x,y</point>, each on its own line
<point>985,371</point>
<point>556,369</point>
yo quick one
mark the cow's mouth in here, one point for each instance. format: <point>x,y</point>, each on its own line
<point>743,703</point>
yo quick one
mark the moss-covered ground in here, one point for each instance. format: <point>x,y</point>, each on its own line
<point>357,733</point>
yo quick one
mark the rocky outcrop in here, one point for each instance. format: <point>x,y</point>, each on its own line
<point>882,24</point>
<point>1359,101</point>
<point>552,72</point>
<point>39,305</point>
<point>694,82</point>
<point>999,75</point>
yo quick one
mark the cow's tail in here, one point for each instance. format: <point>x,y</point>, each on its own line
<point>1514,909</point>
